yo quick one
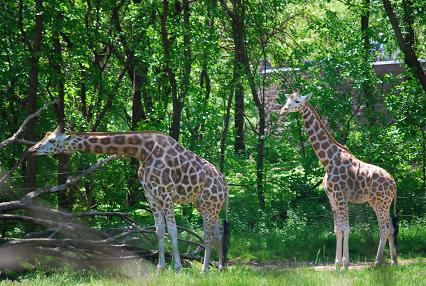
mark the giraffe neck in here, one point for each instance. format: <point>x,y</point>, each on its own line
<point>324,144</point>
<point>131,144</point>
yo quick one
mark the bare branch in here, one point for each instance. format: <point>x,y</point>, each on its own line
<point>14,137</point>
<point>25,201</point>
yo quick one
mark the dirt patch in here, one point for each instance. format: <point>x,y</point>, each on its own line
<point>275,265</point>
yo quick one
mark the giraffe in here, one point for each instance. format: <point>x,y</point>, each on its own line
<point>348,180</point>
<point>169,174</point>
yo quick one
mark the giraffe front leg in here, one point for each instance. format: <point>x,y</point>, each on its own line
<point>172,230</point>
<point>345,259</point>
<point>339,237</point>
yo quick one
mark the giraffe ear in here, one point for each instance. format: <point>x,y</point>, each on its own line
<point>59,129</point>
<point>307,97</point>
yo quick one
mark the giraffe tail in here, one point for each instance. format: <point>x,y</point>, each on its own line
<point>226,239</point>
<point>395,222</point>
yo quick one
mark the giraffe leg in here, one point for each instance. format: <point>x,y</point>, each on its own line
<point>339,237</point>
<point>341,226</point>
<point>383,219</point>
<point>345,259</point>
<point>217,235</point>
<point>210,219</point>
<point>159,230</point>
<point>172,230</point>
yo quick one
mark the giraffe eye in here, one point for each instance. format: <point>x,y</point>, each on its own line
<point>52,141</point>
<point>297,101</point>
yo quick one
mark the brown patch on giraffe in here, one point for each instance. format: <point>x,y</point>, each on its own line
<point>165,176</point>
<point>171,152</point>
<point>149,145</point>
<point>105,141</point>
<point>98,149</point>
<point>80,146</point>
<point>179,148</point>
<point>310,120</point>
<point>194,179</point>
<point>156,172</point>
<point>180,190</point>
<point>316,125</point>
<point>185,167</point>
<point>316,145</point>
<point>162,141</point>
<point>310,132</point>
<point>185,180</point>
<point>330,153</point>
<point>119,139</point>
<point>325,145</point>
<point>93,140</point>
<point>86,146</point>
<point>134,140</point>
<point>321,136</point>
<point>111,150</point>
<point>159,164</point>
<point>321,154</point>
<point>130,150</point>
<point>158,151</point>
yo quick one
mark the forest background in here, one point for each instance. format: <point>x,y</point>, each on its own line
<point>213,75</point>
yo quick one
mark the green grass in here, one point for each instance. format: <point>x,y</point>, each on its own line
<point>413,274</point>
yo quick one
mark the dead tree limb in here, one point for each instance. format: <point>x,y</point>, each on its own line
<point>14,137</point>
<point>25,201</point>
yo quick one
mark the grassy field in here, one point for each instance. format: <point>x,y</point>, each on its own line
<point>412,274</point>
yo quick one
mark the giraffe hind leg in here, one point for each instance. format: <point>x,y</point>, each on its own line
<point>385,228</point>
<point>173,234</point>
<point>218,238</point>
<point>159,230</point>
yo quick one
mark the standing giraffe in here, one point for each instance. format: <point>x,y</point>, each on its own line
<point>169,174</point>
<point>348,180</point>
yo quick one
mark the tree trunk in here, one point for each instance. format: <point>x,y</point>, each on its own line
<point>177,106</point>
<point>65,199</point>
<point>409,53</point>
<point>238,34</point>
<point>30,134</point>
<point>226,119</point>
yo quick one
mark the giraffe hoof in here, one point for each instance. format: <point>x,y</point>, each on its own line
<point>160,269</point>
<point>378,263</point>
<point>178,268</point>
<point>394,262</point>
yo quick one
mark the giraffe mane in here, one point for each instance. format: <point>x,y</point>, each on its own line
<point>118,133</point>
<point>325,128</point>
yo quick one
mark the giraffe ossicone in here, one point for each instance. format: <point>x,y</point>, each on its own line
<point>348,180</point>
<point>169,174</point>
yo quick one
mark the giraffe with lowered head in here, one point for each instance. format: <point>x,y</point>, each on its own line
<point>348,180</point>
<point>169,174</point>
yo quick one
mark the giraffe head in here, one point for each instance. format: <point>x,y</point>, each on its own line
<point>295,102</point>
<point>55,142</point>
